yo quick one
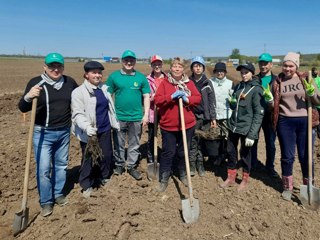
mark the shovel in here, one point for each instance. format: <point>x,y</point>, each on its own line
<point>190,206</point>
<point>153,168</point>
<point>21,218</point>
<point>310,195</point>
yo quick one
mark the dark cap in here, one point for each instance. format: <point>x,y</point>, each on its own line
<point>92,65</point>
<point>220,66</point>
<point>248,66</point>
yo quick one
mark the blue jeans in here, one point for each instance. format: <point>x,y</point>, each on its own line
<point>51,150</point>
<point>270,138</point>
<point>292,132</point>
<point>133,130</point>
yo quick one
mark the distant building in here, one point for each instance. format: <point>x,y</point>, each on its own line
<point>115,60</point>
<point>107,58</point>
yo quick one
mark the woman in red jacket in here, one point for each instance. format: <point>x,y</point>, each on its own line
<point>176,86</point>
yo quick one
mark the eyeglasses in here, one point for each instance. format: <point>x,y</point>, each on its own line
<point>53,67</point>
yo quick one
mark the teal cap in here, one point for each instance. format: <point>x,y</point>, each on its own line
<point>54,57</point>
<point>265,57</point>
<point>128,53</point>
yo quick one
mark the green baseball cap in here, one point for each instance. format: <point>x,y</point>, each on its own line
<point>265,57</point>
<point>54,57</point>
<point>128,53</point>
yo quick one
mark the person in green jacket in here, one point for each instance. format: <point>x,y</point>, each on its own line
<point>244,124</point>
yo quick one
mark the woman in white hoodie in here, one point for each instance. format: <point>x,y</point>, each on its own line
<point>93,114</point>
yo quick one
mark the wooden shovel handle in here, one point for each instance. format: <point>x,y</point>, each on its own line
<point>29,150</point>
<point>310,135</point>
<point>185,149</point>
<point>155,136</point>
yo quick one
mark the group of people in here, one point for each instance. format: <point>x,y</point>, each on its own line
<point>104,116</point>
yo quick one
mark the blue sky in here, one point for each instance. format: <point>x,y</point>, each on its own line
<point>92,28</point>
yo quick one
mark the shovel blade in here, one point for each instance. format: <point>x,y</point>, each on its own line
<point>153,171</point>
<point>190,210</point>
<point>21,220</point>
<point>314,196</point>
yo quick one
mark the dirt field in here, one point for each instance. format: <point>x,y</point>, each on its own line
<point>127,209</point>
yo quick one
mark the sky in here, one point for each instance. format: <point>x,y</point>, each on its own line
<point>169,28</point>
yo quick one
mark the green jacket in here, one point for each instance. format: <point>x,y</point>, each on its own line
<point>247,115</point>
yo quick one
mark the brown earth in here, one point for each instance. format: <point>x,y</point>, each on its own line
<point>127,209</point>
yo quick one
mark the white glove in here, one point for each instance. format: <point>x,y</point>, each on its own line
<point>249,142</point>
<point>91,131</point>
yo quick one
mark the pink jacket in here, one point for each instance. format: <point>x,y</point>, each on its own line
<point>154,84</point>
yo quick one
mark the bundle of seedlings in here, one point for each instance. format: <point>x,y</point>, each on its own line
<point>93,150</point>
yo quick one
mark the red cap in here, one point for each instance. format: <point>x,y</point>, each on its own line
<point>156,58</point>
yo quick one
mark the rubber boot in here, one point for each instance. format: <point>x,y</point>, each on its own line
<point>244,183</point>
<point>306,181</point>
<point>287,184</point>
<point>232,173</point>
<point>163,182</point>
<point>183,178</point>
<point>192,168</point>
<point>200,168</point>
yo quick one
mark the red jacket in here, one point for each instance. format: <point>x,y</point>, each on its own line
<point>168,109</point>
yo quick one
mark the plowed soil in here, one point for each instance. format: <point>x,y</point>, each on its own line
<point>127,209</point>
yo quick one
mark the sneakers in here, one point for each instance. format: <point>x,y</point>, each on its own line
<point>118,170</point>
<point>46,210</point>
<point>61,201</point>
<point>87,193</point>
<point>135,173</point>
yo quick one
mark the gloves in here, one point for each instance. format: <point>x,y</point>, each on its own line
<point>309,87</point>
<point>249,142</point>
<point>177,94</point>
<point>267,94</point>
<point>233,102</point>
<point>91,131</point>
<point>185,98</point>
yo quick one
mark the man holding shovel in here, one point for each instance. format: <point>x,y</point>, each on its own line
<point>51,135</point>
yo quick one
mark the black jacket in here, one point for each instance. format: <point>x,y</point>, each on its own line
<point>248,112</point>
<point>53,107</point>
<point>207,108</point>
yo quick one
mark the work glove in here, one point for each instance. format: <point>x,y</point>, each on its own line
<point>232,101</point>
<point>309,87</point>
<point>267,94</point>
<point>185,99</point>
<point>177,94</point>
<point>91,131</point>
<point>248,142</point>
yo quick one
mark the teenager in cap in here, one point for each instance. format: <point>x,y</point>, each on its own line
<point>266,78</point>
<point>93,114</point>
<point>247,105</point>
<point>205,113</point>
<point>154,78</point>
<point>51,136</point>
<point>222,87</point>
<point>129,87</point>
